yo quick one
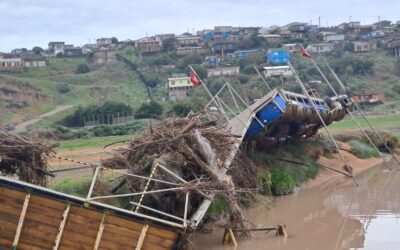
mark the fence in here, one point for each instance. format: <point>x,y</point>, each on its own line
<point>107,119</point>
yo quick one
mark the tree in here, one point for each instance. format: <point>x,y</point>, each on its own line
<point>82,68</point>
<point>151,81</point>
<point>200,70</point>
<point>114,40</point>
<point>37,50</point>
<point>149,110</point>
<point>243,79</point>
<point>63,88</point>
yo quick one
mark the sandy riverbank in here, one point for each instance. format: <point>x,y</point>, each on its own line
<point>327,178</point>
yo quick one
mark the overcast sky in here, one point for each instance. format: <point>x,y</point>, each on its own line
<point>27,23</point>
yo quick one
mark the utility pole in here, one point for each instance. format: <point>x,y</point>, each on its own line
<point>350,19</point>
<point>319,22</point>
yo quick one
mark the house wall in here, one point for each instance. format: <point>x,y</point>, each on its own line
<point>226,71</point>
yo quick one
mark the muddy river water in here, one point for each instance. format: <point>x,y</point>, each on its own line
<point>338,216</point>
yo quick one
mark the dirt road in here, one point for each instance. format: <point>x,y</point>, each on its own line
<point>23,126</point>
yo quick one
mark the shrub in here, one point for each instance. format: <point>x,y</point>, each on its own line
<point>149,110</point>
<point>151,81</point>
<point>264,182</point>
<point>282,181</point>
<point>243,79</point>
<point>362,150</point>
<point>82,68</point>
<point>249,69</point>
<point>350,65</point>
<point>218,208</point>
<point>63,88</point>
<point>181,109</point>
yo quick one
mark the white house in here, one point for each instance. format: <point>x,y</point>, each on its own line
<point>334,38</point>
<point>223,71</point>
<point>320,47</point>
<point>11,64</point>
<point>276,71</point>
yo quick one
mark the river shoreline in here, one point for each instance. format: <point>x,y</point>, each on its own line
<point>306,206</point>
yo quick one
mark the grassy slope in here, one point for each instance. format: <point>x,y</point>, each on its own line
<point>113,82</point>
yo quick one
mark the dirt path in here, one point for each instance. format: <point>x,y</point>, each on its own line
<point>23,126</point>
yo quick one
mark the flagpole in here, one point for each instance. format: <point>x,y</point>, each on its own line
<point>202,83</point>
<point>221,108</point>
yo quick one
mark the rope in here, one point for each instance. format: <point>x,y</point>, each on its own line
<point>146,187</point>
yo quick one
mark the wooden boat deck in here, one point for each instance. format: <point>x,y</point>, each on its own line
<point>39,219</point>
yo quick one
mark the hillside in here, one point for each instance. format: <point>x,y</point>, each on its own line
<point>38,90</point>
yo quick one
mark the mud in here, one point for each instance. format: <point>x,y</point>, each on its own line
<point>341,216</point>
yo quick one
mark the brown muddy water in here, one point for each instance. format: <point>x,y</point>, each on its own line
<point>340,216</point>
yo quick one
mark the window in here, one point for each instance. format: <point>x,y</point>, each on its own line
<point>172,82</point>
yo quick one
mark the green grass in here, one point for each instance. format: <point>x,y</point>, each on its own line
<point>113,82</point>
<point>90,142</point>
<point>362,150</point>
<point>73,187</point>
<point>218,208</point>
<point>384,121</point>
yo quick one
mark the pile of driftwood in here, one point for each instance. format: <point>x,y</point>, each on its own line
<point>24,158</point>
<point>193,151</point>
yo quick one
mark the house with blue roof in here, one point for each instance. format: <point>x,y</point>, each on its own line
<point>278,56</point>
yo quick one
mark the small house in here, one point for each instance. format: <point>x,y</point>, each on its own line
<point>335,38</point>
<point>361,47</point>
<point>32,62</point>
<point>178,86</point>
<point>292,47</point>
<point>223,48</point>
<point>190,50</point>
<point>104,42</point>
<point>320,47</point>
<point>368,99</point>
<point>148,45</point>
<point>278,56</point>
<point>223,71</point>
<point>55,48</point>
<point>11,65</point>
<point>244,53</point>
<point>277,71</point>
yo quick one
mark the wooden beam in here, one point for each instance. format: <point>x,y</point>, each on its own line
<point>141,238</point>
<point>21,221</point>
<point>61,228</point>
<point>100,232</point>
<point>229,237</point>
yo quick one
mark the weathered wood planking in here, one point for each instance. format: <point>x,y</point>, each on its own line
<point>44,218</point>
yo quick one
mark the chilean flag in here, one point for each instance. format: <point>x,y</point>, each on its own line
<point>304,53</point>
<point>194,79</point>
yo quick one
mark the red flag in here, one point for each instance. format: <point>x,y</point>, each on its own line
<point>194,79</point>
<point>305,53</point>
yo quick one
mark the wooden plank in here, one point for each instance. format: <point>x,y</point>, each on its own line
<point>163,233</point>
<point>111,233</point>
<point>12,193</point>
<point>69,244</point>
<point>142,236</point>
<point>47,202</point>
<point>61,228</point>
<point>123,222</point>
<point>78,238</point>
<point>87,213</point>
<point>21,220</point>
<point>100,232</point>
